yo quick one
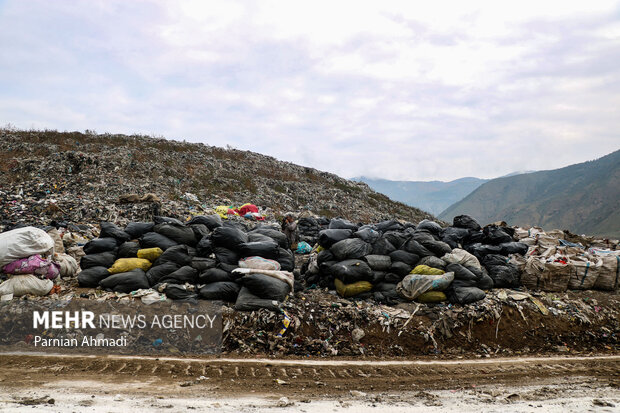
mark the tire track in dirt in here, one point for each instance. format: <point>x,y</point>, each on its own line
<point>324,376</point>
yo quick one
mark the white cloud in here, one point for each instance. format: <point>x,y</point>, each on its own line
<point>400,90</point>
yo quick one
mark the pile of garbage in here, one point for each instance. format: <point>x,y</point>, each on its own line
<point>555,264</point>
<point>394,262</point>
<point>207,258</point>
<point>249,262</point>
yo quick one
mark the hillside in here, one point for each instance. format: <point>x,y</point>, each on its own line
<point>431,196</point>
<point>79,177</point>
<point>583,198</point>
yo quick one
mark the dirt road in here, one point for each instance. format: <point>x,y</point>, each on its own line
<point>110,383</point>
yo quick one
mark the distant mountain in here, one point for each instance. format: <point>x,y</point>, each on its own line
<point>430,196</point>
<point>583,198</point>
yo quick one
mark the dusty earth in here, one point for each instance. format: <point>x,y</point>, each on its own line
<point>118,384</point>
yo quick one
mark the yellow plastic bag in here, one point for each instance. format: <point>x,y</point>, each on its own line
<point>222,211</point>
<point>128,264</point>
<point>426,270</point>
<point>349,290</point>
<point>150,254</point>
<point>431,297</point>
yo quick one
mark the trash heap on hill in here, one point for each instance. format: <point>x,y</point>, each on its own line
<point>207,258</point>
<point>394,262</point>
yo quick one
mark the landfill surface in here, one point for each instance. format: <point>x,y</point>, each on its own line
<point>87,178</point>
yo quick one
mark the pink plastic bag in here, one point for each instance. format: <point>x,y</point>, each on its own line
<point>36,265</point>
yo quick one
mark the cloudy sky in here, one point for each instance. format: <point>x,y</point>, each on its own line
<point>398,90</point>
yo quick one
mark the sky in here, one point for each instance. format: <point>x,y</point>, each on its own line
<point>398,90</point>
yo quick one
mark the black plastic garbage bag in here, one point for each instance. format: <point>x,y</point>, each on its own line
<point>125,282</point>
<point>264,286</point>
<point>138,229</point>
<point>274,234</point>
<point>153,239</point>
<point>368,235</point>
<point>493,259</point>
<point>514,248</point>
<point>183,275</point>
<point>203,264</point>
<point>329,237</point>
<point>98,245</point>
<point>227,237</point>
<point>392,278</point>
<point>226,256</point>
<point>205,247</point>
<point>485,282</point>
<point>400,268</point>
<point>90,277</point>
<point>383,247</point>
<point>325,255</point>
<point>211,221</point>
<point>396,238</point>
<point>326,267</point>
<point>178,254</point>
<point>462,273</point>
<point>180,293</point>
<point>385,293</point>
<point>474,237</point>
<point>404,256</point>
<point>378,262</point>
<point>465,295</point>
<point>179,233</point>
<point>256,237</point>
<point>221,290</point>
<point>464,283</point>
<point>352,248</point>
<point>433,262</point>
<point>339,223</point>
<point>496,235</point>
<point>467,222</point>
<point>108,229</point>
<point>102,259</point>
<point>480,250</point>
<point>265,249</point>
<point>246,301</point>
<point>453,236</point>
<point>155,273</point>
<point>385,287</point>
<point>350,271</point>
<point>438,248</point>
<point>504,276</point>
<point>213,275</point>
<point>423,235</point>
<point>378,277</point>
<point>128,249</point>
<point>200,231</point>
<point>389,225</point>
<point>241,226</point>
<point>416,248</point>
<point>286,258</point>
<point>430,226</point>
